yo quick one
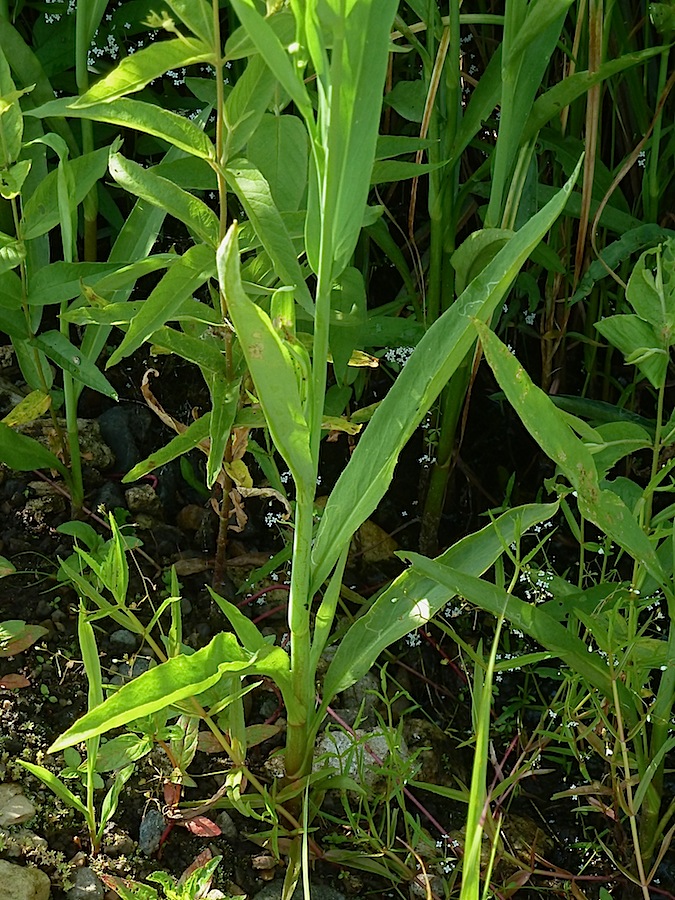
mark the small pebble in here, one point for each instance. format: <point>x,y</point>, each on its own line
<point>151,831</point>
<point>124,640</point>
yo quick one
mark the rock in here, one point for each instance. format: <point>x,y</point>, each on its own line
<point>124,428</point>
<point>15,808</point>
<point>126,671</point>
<point>272,891</point>
<point>20,841</point>
<point>348,755</point>
<point>95,452</point>
<point>142,499</point>
<point>23,883</point>
<point>151,831</point>
<point>124,640</point>
<point>87,885</point>
<point>227,826</point>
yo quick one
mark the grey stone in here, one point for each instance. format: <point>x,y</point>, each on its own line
<point>151,831</point>
<point>227,826</point>
<point>357,755</point>
<point>126,672</point>
<point>87,885</point>
<point>23,882</point>
<point>124,640</point>
<point>272,891</point>
<point>142,499</point>
<point>15,808</point>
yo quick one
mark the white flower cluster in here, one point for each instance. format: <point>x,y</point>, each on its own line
<point>398,355</point>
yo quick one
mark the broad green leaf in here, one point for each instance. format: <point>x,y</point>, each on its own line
<point>246,630</point>
<point>41,210</point>
<point>189,172</point>
<point>194,267</point>
<point>56,786</point>
<point>370,469</point>
<point>135,71</point>
<point>246,105</point>
<point>548,426</point>
<point>144,117</point>
<point>647,298</point>
<point>198,16</point>
<point>122,750</point>
<point>176,679</point>
<point>11,118</point>
<point>412,598</point>
<point>62,281</point>
<point>279,149</point>
<point>11,290</point>
<point>527,617</point>
<point>390,145</point>
<point>166,195</point>
<point>70,358</point>
<point>274,54</point>
<point>187,440</point>
<point>130,890</point>
<point>22,453</point>
<point>270,365</point>
<point>639,343</point>
<point>224,403</point>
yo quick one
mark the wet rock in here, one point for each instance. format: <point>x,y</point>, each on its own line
<point>142,499</point>
<point>109,496</point>
<point>151,831</point>
<point>273,890</point>
<point>125,429</point>
<point>86,886</point>
<point>15,808</point>
<point>227,826</point>
<point>124,640</point>
<point>23,883</point>
<point>360,756</point>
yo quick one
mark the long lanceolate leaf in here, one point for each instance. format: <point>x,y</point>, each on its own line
<point>532,621</point>
<point>413,598</point>
<point>547,425</point>
<point>369,472</point>
<point>146,117</point>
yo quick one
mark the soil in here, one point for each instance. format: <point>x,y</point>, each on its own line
<point>424,682</point>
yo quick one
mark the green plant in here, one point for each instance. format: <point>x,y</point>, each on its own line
<point>345,46</point>
<point>627,662</point>
<point>192,887</point>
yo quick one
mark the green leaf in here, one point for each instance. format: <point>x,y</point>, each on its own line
<point>41,210</point>
<point>11,119</point>
<point>273,53</point>
<point>279,150</point>
<point>144,117</point>
<point>134,72</point>
<point>166,195</point>
<point>193,268</point>
<point>246,105</point>
<point>224,404</point>
<point>176,679</point>
<point>12,179</point>
<point>22,453</point>
<point>270,365</point>
<point>255,196</point>
<point>549,427</point>
<point>527,617</point>
<point>68,357</point>
<point>412,598</point>
<point>198,16</point>
<point>56,786</point>
<point>187,440</point>
<point>639,343</point>
<point>447,342</point>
